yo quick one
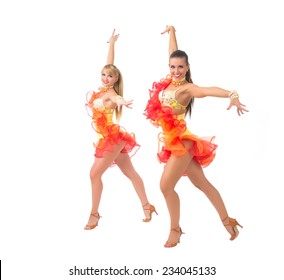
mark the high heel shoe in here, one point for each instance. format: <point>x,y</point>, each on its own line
<point>152,209</point>
<point>233,223</point>
<point>173,244</point>
<point>92,226</point>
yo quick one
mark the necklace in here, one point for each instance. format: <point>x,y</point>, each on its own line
<point>178,83</point>
<point>105,89</point>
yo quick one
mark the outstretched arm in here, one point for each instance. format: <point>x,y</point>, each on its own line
<point>111,41</point>
<point>120,101</point>
<point>173,46</point>
<point>191,90</point>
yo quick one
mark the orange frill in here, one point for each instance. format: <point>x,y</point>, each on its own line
<point>174,130</point>
<point>109,133</point>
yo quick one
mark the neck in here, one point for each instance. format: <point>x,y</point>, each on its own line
<point>105,88</point>
<point>178,83</point>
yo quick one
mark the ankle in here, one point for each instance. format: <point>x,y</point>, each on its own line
<point>146,206</point>
<point>226,221</point>
<point>95,214</point>
<point>177,229</point>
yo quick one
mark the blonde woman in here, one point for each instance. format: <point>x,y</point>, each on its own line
<point>115,145</point>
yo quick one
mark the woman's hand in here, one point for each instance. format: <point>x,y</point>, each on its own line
<point>113,38</point>
<point>168,29</point>
<point>121,102</point>
<point>240,107</point>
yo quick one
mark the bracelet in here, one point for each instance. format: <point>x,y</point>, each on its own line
<point>118,97</point>
<point>233,94</point>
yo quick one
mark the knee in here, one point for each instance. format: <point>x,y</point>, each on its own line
<point>94,175</point>
<point>164,187</point>
<point>198,186</point>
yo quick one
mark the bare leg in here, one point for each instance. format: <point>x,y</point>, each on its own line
<point>198,179</point>
<point>123,161</point>
<point>173,171</point>
<point>99,167</point>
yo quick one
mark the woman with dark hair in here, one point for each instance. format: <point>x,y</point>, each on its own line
<point>115,145</point>
<point>184,153</point>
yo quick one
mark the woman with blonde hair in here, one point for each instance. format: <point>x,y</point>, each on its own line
<point>115,145</point>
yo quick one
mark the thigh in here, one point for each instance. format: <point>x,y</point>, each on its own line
<point>124,163</point>
<point>101,164</point>
<point>196,175</point>
<point>174,169</point>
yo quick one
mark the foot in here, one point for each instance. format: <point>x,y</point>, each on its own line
<point>93,221</point>
<point>231,226</point>
<point>148,210</point>
<point>174,237</point>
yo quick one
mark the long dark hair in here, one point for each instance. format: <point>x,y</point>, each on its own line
<point>182,54</point>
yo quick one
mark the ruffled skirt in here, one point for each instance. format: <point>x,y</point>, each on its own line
<point>111,134</point>
<point>115,135</point>
<point>175,132</point>
<point>202,148</point>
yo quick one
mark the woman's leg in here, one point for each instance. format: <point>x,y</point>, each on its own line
<point>99,167</point>
<point>195,174</point>
<point>123,161</point>
<point>173,171</point>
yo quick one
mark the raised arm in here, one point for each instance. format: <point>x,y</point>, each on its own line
<point>111,41</point>
<point>173,46</point>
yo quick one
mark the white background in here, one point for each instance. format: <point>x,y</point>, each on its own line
<point>52,53</point>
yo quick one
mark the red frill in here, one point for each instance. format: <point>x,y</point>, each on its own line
<point>110,133</point>
<point>174,130</point>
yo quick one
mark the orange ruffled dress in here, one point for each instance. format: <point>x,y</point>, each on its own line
<point>174,130</point>
<point>109,133</point>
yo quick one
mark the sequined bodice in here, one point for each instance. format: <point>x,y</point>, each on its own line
<point>98,104</point>
<point>168,98</point>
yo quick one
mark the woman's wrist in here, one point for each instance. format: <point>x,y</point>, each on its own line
<point>118,98</point>
<point>233,94</point>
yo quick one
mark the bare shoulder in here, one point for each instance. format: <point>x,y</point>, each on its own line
<point>186,89</point>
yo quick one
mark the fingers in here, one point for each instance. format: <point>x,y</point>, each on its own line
<point>230,106</point>
<point>129,104</point>
<point>113,37</point>
<point>166,30</point>
<point>240,112</point>
<point>240,108</point>
<point>244,109</point>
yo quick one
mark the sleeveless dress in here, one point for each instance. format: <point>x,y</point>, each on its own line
<point>159,110</point>
<point>108,132</point>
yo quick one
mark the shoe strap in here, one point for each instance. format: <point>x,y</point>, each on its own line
<point>143,206</point>
<point>96,215</point>
<point>177,229</point>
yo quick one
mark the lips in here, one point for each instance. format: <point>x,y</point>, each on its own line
<point>176,76</point>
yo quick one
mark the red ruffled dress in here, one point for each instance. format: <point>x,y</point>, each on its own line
<point>109,133</point>
<point>174,130</point>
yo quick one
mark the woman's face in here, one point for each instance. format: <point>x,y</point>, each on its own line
<point>178,68</point>
<point>108,78</point>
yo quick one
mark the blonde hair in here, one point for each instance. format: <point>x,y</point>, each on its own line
<point>118,86</point>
